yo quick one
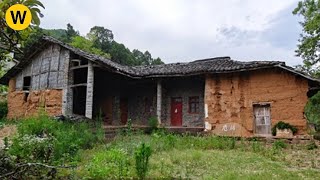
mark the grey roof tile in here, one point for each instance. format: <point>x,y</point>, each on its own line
<point>210,65</point>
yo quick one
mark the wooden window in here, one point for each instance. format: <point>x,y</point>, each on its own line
<point>194,105</point>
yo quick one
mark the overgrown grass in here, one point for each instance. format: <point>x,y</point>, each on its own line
<point>193,157</point>
<point>42,139</point>
<point>48,141</point>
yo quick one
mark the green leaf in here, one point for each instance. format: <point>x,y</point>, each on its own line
<point>35,17</point>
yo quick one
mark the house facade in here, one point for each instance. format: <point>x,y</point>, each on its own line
<point>219,95</point>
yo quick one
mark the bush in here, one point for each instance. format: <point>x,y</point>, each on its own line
<point>282,125</point>
<point>312,145</point>
<point>312,110</point>
<point>317,136</point>
<point>153,123</point>
<point>43,139</point>
<point>3,109</point>
<point>279,144</point>
<point>142,155</point>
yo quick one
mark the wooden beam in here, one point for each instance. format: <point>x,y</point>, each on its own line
<point>77,85</point>
<point>79,67</point>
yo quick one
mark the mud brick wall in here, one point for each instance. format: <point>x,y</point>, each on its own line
<point>230,99</point>
<point>47,71</point>
<point>19,106</point>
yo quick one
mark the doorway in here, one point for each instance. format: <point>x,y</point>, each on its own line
<point>176,111</point>
<point>262,119</point>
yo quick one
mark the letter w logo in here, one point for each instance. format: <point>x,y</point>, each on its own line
<point>18,16</point>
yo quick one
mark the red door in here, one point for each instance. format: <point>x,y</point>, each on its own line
<point>176,111</point>
<point>124,110</point>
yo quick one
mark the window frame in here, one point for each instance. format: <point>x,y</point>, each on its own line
<point>194,105</point>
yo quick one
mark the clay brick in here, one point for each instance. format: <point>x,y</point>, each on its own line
<point>18,107</point>
<point>230,98</point>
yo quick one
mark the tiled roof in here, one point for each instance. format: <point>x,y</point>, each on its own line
<point>211,65</point>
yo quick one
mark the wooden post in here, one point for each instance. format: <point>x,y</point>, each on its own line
<point>159,98</point>
<point>89,99</point>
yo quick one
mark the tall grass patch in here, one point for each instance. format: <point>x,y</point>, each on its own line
<point>43,139</point>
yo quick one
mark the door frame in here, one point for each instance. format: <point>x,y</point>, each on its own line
<point>171,103</point>
<point>262,104</point>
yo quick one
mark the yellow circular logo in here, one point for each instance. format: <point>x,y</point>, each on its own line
<point>18,17</point>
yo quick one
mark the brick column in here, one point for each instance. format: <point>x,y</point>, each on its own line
<point>159,99</point>
<point>67,94</point>
<point>89,99</point>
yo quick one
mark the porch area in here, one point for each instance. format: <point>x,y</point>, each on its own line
<point>176,103</point>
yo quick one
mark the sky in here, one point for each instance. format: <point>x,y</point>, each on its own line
<point>186,30</point>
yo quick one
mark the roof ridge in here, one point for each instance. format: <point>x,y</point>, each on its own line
<point>212,59</point>
<point>209,65</point>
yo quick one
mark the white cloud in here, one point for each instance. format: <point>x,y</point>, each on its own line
<point>183,30</point>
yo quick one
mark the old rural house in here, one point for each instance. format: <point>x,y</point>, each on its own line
<point>225,96</point>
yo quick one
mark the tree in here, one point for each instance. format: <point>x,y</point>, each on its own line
<point>70,32</point>
<point>121,54</point>
<point>87,45</point>
<point>145,58</point>
<point>138,57</point>
<point>157,61</point>
<point>9,38</point>
<point>309,42</point>
<point>101,37</point>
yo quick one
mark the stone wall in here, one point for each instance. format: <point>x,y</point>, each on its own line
<point>230,97</point>
<point>22,105</point>
<point>184,88</point>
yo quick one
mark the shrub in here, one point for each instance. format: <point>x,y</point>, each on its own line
<point>3,109</point>
<point>317,136</point>
<point>279,144</point>
<point>153,123</point>
<point>312,145</point>
<point>142,155</point>
<point>43,139</point>
<point>282,125</point>
<point>312,110</point>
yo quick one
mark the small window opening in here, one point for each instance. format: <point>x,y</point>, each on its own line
<point>76,62</point>
<point>26,87</point>
<point>194,105</point>
<point>26,83</point>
